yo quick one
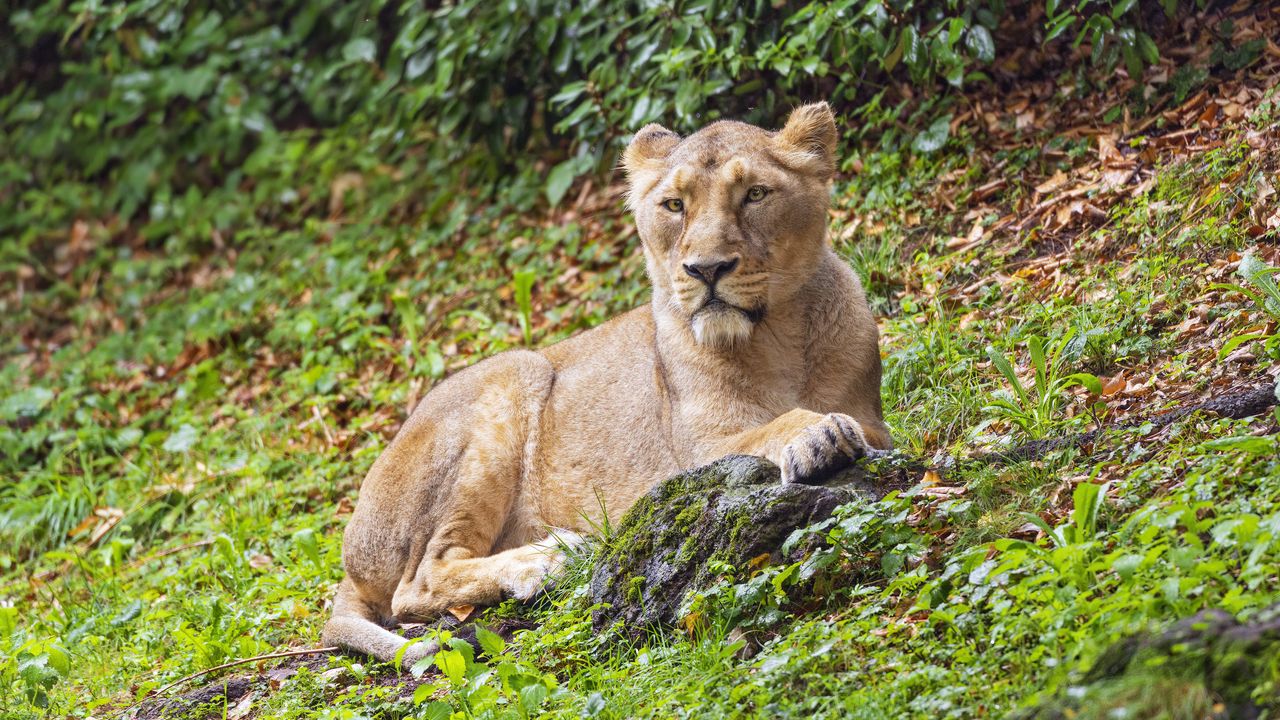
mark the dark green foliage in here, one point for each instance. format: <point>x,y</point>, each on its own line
<point>158,101</point>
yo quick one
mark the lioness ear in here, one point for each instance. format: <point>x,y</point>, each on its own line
<point>653,142</point>
<point>811,130</point>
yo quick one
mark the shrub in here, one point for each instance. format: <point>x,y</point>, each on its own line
<point>148,98</point>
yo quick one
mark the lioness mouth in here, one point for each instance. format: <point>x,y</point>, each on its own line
<point>716,304</point>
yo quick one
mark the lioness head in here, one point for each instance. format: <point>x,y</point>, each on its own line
<point>732,218</point>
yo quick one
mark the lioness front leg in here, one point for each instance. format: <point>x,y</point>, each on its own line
<point>806,445</point>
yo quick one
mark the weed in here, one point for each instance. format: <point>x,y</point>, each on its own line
<point>1034,406</point>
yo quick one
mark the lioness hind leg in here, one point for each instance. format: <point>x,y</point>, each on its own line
<point>457,580</point>
<point>467,560</point>
<point>355,625</point>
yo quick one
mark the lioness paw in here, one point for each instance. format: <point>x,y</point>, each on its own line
<point>525,575</point>
<point>822,449</point>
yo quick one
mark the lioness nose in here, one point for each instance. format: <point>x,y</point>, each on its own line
<point>710,272</point>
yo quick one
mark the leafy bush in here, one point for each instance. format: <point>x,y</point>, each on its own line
<point>156,98</point>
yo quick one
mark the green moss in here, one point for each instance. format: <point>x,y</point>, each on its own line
<point>689,515</point>
<point>635,588</point>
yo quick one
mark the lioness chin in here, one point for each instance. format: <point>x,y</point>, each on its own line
<point>758,341</point>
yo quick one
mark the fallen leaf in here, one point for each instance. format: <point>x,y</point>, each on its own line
<point>943,491</point>
<point>242,708</point>
<point>110,516</point>
<point>462,612</point>
<point>1114,385</point>
<point>1058,180</point>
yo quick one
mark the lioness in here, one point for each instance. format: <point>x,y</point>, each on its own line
<point>758,341</point>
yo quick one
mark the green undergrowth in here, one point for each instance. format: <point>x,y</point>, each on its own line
<point>186,416</point>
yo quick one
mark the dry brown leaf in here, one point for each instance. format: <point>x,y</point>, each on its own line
<point>84,525</point>
<point>1057,180</point>
<point>1138,391</point>
<point>338,190</point>
<point>942,491</point>
<point>1107,151</point>
<point>1114,385</point>
<point>1116,178</point>
<point>110,517</point>
<point>462,612</point>
<point>243,708</point>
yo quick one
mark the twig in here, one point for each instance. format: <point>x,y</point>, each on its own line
<point>224,666</point>
<point>165,553</point>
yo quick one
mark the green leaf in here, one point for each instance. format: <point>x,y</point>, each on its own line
<point>1126,565</point>
<point>1038,521</point>
<point>1244,443</point>
<point>981,44</point>
<point>934,137</point>
<point>532,697</point>
<point>1087,380</point>
<point>27,403</point>
<point>1035,347</point>
<point>359,50</point>
<point>305,540</point>
<point>1122,7</point>
<point>227,548</point>
<point>639,111</point>
<point>453,665</point>
<point>435,360</point>
<point>434,710</point>
<point>569,93</point>
<point>523,286</point>
<point>490,642</point>
<point>595,704</point>
<point>1236,341</point>
<point>1147,48</point>
<point>559,180</point>
<point>1006,369</point>
<point>182,440</point>
<point>1088,499</point>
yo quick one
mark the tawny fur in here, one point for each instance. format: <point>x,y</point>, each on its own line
<point>503,463</point>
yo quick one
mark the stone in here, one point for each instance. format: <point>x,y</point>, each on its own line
<point>1210,659</point>
<point>733,511</point>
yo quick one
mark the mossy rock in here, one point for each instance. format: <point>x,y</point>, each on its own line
<point>1209,665</point>
<point>731,511</point>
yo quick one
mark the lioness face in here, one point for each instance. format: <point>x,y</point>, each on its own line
<point>731,216</point>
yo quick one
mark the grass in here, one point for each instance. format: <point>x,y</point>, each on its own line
<point>187,415</point>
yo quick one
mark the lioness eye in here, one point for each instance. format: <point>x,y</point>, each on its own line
<point>674,205</point>
<point>756,193</point>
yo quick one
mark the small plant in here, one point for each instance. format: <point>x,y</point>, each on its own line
<point>1083,525</point>
<point>1261,287</point>
<point>523,282</point>
<point>499,688</point>
<point>1072,547</point>
<point>1034,407</point>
